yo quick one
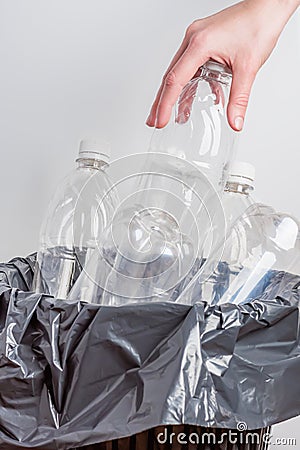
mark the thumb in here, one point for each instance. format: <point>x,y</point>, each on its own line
<point>242,81</point>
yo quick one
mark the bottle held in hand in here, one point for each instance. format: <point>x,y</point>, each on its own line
<point>156,238</point>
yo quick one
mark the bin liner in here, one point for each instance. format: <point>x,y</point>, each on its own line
<point>74,374</point>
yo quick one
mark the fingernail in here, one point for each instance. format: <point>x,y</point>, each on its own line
<point>149,120</point>
<point>239,122</point>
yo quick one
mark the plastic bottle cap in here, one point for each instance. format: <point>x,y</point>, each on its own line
<point>98,149</point>
<point>241,172</point>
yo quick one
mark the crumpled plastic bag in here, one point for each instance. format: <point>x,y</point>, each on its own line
<point>73,374</point>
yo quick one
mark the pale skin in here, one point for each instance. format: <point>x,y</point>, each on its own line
<point>242,36</point>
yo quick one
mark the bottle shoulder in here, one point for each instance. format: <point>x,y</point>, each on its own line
<point>262,234</point>
<point>82,198</point>
<point>80,182</point>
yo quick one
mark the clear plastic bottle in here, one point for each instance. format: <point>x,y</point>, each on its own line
<point>157,236</point>
<point>80,209</point>
<point>238,189</point>
<point>260,258</point>
<point>264,246</point>
<point>236,200</point>
<point>198,130</point>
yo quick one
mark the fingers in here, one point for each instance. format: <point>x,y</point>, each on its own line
<point>242,81</point>
<point>152,116</point>
<point>174,81</point>
<point>217,89</point>
<point>185,102</point>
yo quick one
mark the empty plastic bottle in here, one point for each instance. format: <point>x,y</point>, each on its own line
<point>236,200</point>
<point>264,244</point>
<point>198,130</point>
<point>81,208</point>
<point>156,238</point>
<point>261,256</point>
<point>238,189</point>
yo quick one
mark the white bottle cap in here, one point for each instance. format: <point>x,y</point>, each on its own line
<point>98,149</point>
<point>241,172</point>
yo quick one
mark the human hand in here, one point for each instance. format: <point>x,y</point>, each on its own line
<point>242,37</point>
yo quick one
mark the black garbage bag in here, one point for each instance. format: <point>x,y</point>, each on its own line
<point>74,374</point>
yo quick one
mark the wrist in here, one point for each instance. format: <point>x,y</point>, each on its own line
<point>288,6</point>
<point>279,11</point>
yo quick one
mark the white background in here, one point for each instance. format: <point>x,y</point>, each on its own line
<point>86,68</point>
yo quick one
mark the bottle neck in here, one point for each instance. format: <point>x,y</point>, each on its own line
<point>213,71</point>
<point>89,163</point>
<point>238,188</point>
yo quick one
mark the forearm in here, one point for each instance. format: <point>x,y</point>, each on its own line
<point>290,5</point>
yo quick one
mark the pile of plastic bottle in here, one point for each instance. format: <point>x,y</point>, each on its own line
<point>186,230</point>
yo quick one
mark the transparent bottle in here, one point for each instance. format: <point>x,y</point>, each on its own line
<point>198,130</point>
<point>157,236</point>
<point>80,209</point>
<point>236,200</point>
<point>238,191</point>
<point>264,247</point>
<point>260,260</point>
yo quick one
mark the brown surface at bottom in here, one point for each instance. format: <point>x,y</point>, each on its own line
<point>172,437</point>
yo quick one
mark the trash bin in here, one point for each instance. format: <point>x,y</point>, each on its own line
<point>81,376</point>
